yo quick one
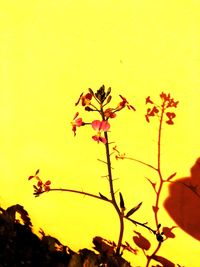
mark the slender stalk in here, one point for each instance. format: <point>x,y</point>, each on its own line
<point>141,224</point>
<point>159,166</point>
<point>158,192</point>
<point>112,193</point>
<point>149,258</point>
<point>78,192</point>
<point>142,162</point>
<point>98,197</point>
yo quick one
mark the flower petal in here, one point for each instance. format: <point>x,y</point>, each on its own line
<point>103,139</point>
<point>78,122</point>
<point>95,138</point>
<point>96,124</point>
<point>76,115</point>
<point>105,126</point>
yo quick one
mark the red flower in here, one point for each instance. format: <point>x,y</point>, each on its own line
<point>148,100</point>
<point>46,186</point>
<point>109,113</point>
<point>172,103</point>
<point>170,115</point>
<point>124,103</point>
<point>165,97</point>
<point>40,187</point>
<point>151,113</point>
<point>85,99</point>
<point>77,122</point>
<point>100,126</point>
<point>154,111</point>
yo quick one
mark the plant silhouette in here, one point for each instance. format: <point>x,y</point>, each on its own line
<point>183,202</point>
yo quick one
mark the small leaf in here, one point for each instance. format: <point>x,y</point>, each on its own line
<point>91,91</point>
<point>108,91</point>
<point>155,209</point>
<point>134,209</point>
<point>30,177</point>
<point>147,118</point>
<point>171,176</point>
<point>37,172</point>
<point>159,225</point>
<point>165,262</point>
<point>78,100</point>
<point>141,241</point>
<point>109,99</point>
<point>122,206</point>
<point>168,232</point>
<point>103,197</point>
<point>152,183</point>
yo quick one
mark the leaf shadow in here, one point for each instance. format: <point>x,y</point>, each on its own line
<point>183,202</point>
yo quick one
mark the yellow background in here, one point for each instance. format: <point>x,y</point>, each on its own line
<point>51,51</point>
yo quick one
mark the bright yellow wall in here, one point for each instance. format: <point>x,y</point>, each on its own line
<point>51,51</point>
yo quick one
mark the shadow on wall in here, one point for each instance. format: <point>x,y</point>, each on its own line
<point>183,202</point>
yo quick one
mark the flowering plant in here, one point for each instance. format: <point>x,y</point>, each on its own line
<point>99,102</point>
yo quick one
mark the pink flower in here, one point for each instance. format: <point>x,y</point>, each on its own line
<point>77,122</point>
<point>100,126</point>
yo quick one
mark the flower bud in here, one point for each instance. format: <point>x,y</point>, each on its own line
<point>91,91</point>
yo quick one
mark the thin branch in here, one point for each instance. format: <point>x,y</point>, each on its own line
<point>158,193</point>
<point>142,162</point>
<point>149,258</point>
<point>98,197</point>
<point>102,161</point>
<point>141,224</point>
<point>77,192</point>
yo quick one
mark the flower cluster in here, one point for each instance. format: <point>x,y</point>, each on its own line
<point>41,186</point>
<point>160,110</point>
<point>96,102</point>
